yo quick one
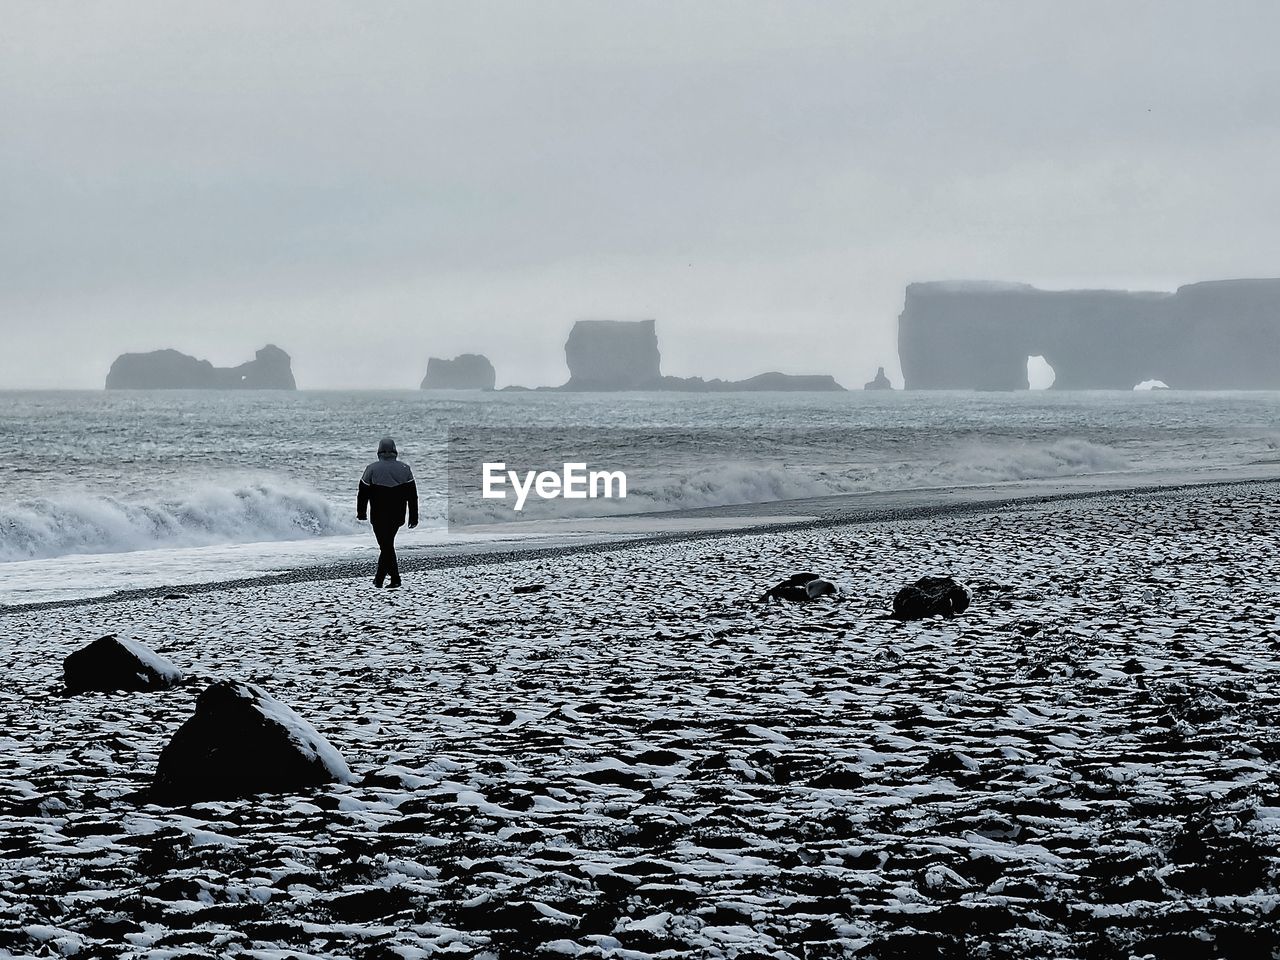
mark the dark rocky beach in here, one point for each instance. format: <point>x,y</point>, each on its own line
<point>642,759</point>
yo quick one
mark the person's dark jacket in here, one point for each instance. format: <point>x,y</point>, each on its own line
<point>388,488</point>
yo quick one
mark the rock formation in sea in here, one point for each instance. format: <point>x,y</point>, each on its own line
<point>623,355</point>
<point>469,371</point>
<point>1217,335</point>
<point>270,369</point>
<point>881,382</point>
<point>785,381</point>
<point>241,741</point>
<point>113,663</point>
<point>612,355</point>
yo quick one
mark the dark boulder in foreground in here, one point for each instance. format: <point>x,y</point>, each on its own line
<point>241,741</point>
<point>113,663</point>
<point>800,587</point>
<point>931,597</point>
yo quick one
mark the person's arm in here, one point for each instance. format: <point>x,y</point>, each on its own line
<point>411,495</point>
<point>362,498</point>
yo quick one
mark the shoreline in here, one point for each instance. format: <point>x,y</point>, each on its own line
<point>644,755</point>
<point>808,513</point>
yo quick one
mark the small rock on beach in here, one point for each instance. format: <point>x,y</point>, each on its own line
<point>931,597</point>
<point>800,587</point>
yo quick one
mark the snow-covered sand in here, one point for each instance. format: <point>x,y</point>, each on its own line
<point>641,760</point>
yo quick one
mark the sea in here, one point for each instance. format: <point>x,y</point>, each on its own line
<point>107,491</point>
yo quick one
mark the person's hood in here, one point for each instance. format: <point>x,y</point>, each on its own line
<point>387,449</point>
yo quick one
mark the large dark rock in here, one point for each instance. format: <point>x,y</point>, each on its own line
<point>270,369</point>
<point>114,663</point>
<point>881,382</point>
<point>240,741</point>
<point>931,597</point>
<point>1205,336</point>
<point>469,371</point>
<point>612,355</point>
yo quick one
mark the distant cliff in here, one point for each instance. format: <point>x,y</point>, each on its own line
<point>1219,335</point>
<point>470,371</point>
<point>623,355</point>
<point>270,369</point>
<point>612,355</point>
<point>787,381</point>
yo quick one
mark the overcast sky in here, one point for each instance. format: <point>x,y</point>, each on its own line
<point>370,183</point>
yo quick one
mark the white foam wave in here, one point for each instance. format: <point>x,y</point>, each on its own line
<point>743,482</point>
<point>1003,463</point>
<point>254,512</point>
<point>245,513</point>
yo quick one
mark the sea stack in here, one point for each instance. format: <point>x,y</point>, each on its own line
<point>1220,335</point>
<point>623,355</point>
<point>270,369</point>
<point>881,382</point>
<point>809,382</point>
<point>469,371</point>
<point>612,355</point>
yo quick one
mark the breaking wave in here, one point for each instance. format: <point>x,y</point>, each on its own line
<point>66,524</point>
<point>265,511</point>
<point>978,464</point>
<point>1003,463</point>
<point>737,482</point>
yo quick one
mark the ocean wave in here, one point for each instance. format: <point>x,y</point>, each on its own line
<point>960,465</point>
<point>729,483</point>
<point>250,512</point>
<point>1011,462</point>
<point>68,524</point>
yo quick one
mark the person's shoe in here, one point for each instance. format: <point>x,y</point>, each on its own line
<point>393,585</point>
<point>377,582</point>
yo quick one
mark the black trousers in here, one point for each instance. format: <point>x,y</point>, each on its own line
<point>386,535</point>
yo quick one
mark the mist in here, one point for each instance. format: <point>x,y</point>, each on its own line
<point>369,185</point>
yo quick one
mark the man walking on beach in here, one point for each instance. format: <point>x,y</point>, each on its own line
<point>388,486</point>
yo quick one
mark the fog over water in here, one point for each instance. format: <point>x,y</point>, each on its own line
<point>368,185</point>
